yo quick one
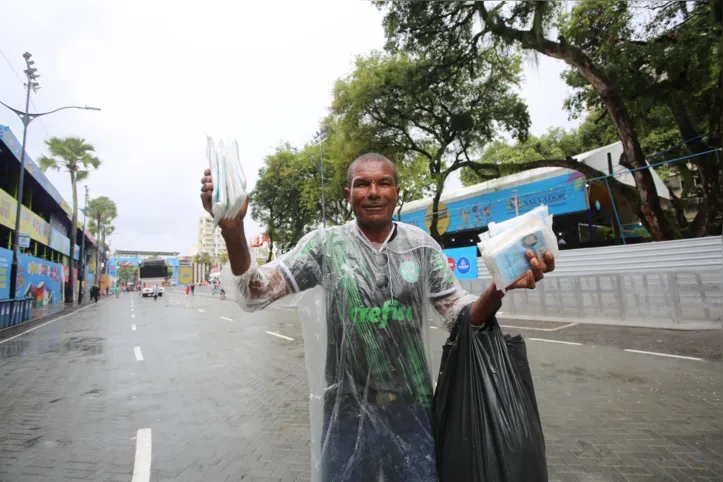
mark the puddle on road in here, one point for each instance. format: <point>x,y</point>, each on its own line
<point>81,345</point>
<point>579,372</point>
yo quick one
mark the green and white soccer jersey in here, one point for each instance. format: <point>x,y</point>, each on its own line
<point>376,304</point>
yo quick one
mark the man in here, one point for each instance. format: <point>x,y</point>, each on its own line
<point>378,278</point>
<point>155,292</point>
<point>193,288</point>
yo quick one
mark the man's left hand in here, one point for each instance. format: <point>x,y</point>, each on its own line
<point>538,268</point>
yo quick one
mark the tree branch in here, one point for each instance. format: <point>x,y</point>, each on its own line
<point>412,145</point>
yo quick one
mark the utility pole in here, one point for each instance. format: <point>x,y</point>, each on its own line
<point>81,268</point>
<point>26,118</point>
<point>319,138</point>
<point>97,252</point>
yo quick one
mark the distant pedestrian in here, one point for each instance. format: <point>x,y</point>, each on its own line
<point>155,292</point>
<point>193,288</point>
<point>188,288</point>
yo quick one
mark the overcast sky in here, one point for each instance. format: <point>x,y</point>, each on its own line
<point>166,73</point>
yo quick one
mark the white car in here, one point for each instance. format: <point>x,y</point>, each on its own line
<point>147,287</point>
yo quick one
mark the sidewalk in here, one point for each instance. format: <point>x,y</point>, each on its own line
<point>42,314</point>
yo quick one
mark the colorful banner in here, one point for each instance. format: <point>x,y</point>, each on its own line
<point>30,223</point>
<point>185,275</point>
<point>39,279</point>
<point>463,261</point>
<point>6,260</point>
<point>123,262</point>
<point>59,242</point>
<point>561,194</point>
<point>7,137</point>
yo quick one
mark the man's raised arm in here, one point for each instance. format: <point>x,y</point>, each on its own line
<point>256,289</point>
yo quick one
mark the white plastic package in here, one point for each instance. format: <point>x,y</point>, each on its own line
<point>503,247</point>
<point>229,181</point>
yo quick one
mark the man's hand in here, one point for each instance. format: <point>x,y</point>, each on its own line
<point>206,195</point>
<point>491,300</point>
<point>538,268</point>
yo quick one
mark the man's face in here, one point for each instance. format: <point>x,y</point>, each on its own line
<point>373,194</point>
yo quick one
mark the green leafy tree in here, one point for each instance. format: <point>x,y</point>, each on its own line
<point>427,111</point>
<point>556,143</point>
<point>101,213</point>
<point>282,198</point>
<point>127,274</point>
<point>74,155</point>
<point>665,59</point>
<point>223,259</point>
<point>627,59</point>
<point>204,259</point>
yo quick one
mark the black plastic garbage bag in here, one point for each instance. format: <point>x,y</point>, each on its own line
<point>486,423</point>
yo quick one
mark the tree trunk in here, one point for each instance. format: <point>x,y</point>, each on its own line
<point>271,248</point>
<point>709,169</point>
<point>433,230</point>
<point>104,254</point>
<point>651,210</point>
<point>70,290</point>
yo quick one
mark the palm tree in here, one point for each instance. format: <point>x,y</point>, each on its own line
<point>101,211</point>
<point>204,259</point>
<point>222,259</point>
<point>74,155</point>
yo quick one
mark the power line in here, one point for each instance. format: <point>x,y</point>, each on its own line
<point>12,68</point>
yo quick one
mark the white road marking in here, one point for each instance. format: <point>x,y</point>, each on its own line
<point>133,327</point>
<point>46,323</point>
<point>569,325</point>
<point>142,463</point>
<point>665,354</point>
<point>139,355</point>
<point>556,341</point>
<point>434,327</point>
<point>227,319</point>
<point>202,311</point>
<point>280,336</point>
<point>133,316</point>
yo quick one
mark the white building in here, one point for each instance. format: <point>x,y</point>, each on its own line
<point>209,238</point>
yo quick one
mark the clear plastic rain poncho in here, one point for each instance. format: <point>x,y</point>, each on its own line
<point>366,326</point>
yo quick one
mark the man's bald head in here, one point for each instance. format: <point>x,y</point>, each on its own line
<point>369,157</point>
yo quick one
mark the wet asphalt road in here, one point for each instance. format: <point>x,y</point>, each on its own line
<point>224,399</point>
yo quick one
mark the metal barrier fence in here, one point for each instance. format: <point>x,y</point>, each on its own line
<point>672,284</point>
<point>14,312</point>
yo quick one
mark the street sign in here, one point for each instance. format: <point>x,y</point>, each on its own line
<point>24,240</point>
<point>463,265</point>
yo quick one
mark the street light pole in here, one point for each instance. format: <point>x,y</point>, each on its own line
<point>26,118</point>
